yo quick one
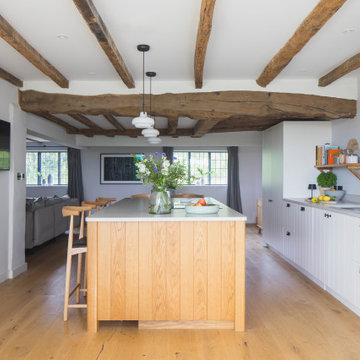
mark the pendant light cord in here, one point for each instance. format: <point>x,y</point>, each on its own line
<point>150,98</point>
<point>143,107</point>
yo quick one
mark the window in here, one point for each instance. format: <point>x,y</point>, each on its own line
<point>215,162</point>
<point>40,164</point>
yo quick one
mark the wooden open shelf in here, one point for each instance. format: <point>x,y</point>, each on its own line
<point>351,167</point>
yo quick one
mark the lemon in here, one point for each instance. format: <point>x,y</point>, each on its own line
<point>321,197</point>
<point>315,200</point>
<point>327,198</point>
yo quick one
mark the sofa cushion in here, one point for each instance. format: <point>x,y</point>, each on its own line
<point>52,201</point>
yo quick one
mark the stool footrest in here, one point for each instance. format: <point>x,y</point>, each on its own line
<point>79,306</point>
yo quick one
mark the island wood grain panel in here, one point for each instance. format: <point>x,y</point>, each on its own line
<point>104,271</point>
<point>159,271</point>
<point>92,273</point>
<point>132,271</point>
<point>187,271</point>
<point>200,270</point>
<point>173,271</point>
<point>168,271</point>
<point>214,271</point>
<point>145,273</point>
<point>228,271</point>
<point>118,271</point>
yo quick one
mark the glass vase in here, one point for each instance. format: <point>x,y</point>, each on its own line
<point>160,202</point>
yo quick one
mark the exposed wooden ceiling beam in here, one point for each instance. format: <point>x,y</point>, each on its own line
<point>127,132</point>
<point>13,38</point>
<point>203,127</point>
<point>84,120</point>
<point>55,120</point>
<point>322,12</point>
<point>113,121</point>
<point>220,105</point>
<point>172,125</point>
<point>98,28</point>
<point>203,35</point>
<point>347,66</point>
<point>10,78</point>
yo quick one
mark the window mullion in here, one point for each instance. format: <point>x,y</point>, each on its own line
<point>39,167</point>
<point>189,166</point>
<point>209,175</point>
<point>59,168</point>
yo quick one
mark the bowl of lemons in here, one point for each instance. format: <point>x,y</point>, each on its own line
<point>335,195</point>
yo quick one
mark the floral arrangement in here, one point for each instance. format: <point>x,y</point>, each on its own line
<point>157,170</point>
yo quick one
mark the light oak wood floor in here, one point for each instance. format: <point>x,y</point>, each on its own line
<point>288,317</point>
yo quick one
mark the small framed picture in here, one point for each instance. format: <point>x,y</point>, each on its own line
<point>118,169</point>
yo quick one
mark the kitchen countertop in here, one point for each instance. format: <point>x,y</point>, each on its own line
<point>138,210</point>
<point>328,207</point>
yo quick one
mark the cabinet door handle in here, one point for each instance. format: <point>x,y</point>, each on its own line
<point>288,233</point>
<point>302,209</point>
<point>325,215</point>
<point>329,215</point>
<point>287,205</point>
<point>269,200</point>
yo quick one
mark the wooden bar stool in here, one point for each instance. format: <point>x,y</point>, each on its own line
<point>138,196</point>
<point>100,204</point>
<point>108,200</point>
<point>75,247</point>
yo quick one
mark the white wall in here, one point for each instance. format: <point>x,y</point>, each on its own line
<point>12,191</point>
<point>342,131</point>
<point>249,168</point>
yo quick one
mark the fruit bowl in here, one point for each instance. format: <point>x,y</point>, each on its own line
<point>202,210</point>
<point>338,194</point>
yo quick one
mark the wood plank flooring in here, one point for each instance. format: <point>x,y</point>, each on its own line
<point>288,317</point>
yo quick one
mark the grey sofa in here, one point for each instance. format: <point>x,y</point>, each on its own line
<point>44,220</point>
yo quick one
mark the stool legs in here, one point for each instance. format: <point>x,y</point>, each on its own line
<point>78,278</point>
<point>67,285</point>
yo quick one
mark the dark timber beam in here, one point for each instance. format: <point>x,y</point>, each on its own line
<point>203,127</point>
<point>220,105</point>
<point>114,122</point>
<point>172,125</point>
<point>127,132</point>
<point>347,66</point>
<point>56,120</point>
<point>10,78</point>
<point>13,38</point>
<point>84,120</point>
<point>202,39</point>
<point>98,28</point>
<point>322,12</point>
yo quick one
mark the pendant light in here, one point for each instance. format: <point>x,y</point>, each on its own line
<point>154,140</point>
<point>143,121</point>
<point>150,132</point>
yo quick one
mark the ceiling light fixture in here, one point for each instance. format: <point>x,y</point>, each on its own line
<point>150,132</point>
<point>143,121</point>
<point>154,140</point>
<point>62,36</point>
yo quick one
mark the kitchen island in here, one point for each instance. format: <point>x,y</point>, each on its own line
<point>166,271</point>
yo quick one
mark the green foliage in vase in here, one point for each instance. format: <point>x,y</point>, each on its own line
<point>160,173</point>
<point>327,179</point>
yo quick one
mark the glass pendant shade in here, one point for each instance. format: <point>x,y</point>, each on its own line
<point>154,140</point>
<point>150,132</point>
<point>143,121</point>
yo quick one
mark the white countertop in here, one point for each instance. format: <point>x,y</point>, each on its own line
<point>343,207</point>
<point>138,210</point>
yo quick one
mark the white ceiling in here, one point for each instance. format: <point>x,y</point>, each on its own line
<point>245,36</point>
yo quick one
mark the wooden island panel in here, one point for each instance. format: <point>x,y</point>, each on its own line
<point>167,271</point>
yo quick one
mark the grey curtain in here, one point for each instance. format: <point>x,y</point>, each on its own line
<point>233,189</point>
<point>169,151</point>
<point>75,182</point>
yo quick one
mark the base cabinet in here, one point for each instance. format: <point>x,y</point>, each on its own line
<point>324,244</point>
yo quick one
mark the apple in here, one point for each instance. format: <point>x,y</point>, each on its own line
<point>201,202</point>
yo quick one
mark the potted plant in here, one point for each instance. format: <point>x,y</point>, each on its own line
<point>162,175</point>
<point>326,180</point>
